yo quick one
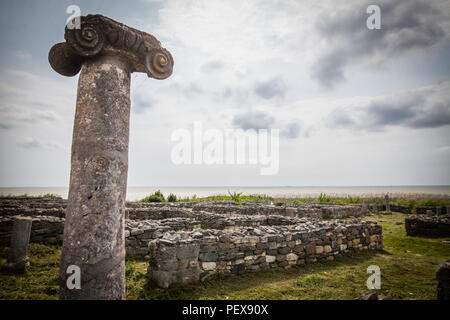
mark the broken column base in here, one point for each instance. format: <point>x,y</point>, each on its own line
<point>15,267</point>
<point>20,237</point>
<point>443,277</point>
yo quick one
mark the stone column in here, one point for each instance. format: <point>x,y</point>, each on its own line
<point>364,208</point>
<point>20,238</point>
<point>107,52</point>
<point>375,207</point>
<point>388,205</point>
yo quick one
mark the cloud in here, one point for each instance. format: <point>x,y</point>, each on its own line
<point>426,107</point>
<point>192,89</point>
<point>253,120</point>
<point>140,103</point>
<point>28,99</point>
<point>14,116</point>
<point>212,66</point>
<point>292,130</point>
<point>271,88</point>
<point>31,143</point>
<point>406,26</point>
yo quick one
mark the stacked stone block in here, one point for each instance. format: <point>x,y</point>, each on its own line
<point>229,252</point>
<point>428,226</point>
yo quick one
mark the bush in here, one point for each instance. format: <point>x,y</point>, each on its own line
<point>235,196</point>
<point>172,198</point>
<point>156,197</point>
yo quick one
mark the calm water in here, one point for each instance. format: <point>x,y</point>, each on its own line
<point>135,193</point>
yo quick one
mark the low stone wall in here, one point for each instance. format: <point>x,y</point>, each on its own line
<point>145,211</point>
<point>44,229</point>
<point>187,257</point>
<point>211,220</point>
<point>48,229</point>
<point>330,211</point>
<point>435,210</point>
<point>307,210</point>
<point>428,226</point>
<point>401,209</point>
<point>138,234</point>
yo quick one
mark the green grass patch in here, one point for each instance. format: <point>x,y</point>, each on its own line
<point>237,197</point>
<point>411,201</point>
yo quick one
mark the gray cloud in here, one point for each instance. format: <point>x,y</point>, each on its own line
<point>31,143</point>
<point>271,88</point>
<point>405,26</point>
<point>192,90</point>
<point>140,103</point>
<point>291,131</point>
<point>421,108</point>
<point>14,116</point>
<point>253,120</point>
<point>212,66</point>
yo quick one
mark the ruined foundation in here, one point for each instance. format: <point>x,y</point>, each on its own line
<point>186,242</point>
<point>428,226</point>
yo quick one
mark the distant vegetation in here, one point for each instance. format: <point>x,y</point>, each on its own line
<point>156,197</point>
<point>409,200</point>
<point>237,197</point>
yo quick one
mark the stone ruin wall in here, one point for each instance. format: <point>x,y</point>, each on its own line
<point>441,210</point>
<point>191,241</point>
<point>190,257</point>
<point>49,230</point>
<point>44,229</point>
<point>428,226</point>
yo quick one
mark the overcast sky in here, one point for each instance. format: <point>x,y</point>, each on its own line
<point>354,106</point>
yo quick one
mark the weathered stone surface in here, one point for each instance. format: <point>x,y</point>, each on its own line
<point>19,243</point>
<point>443,278</point>
<point>106,52</point>
<point>319,249</point>
<point>208,266</point>
<point>239,255</point>
<point>428,226</point>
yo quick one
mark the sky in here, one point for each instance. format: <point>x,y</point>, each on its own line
<point>354,106</point>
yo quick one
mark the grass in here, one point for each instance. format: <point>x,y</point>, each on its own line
<point>40,281</point>
<point>408,266</point>
<point>412,201</point>
<point>238,198</point>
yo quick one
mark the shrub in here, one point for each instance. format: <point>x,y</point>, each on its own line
<point>156,197</point>
<point>172,198</point>
<point>235,196</point>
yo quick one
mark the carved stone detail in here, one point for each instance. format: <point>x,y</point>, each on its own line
<point>99,35</point>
